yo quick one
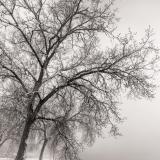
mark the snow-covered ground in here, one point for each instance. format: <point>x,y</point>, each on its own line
<point>26,159</point>
<point>29,158</point>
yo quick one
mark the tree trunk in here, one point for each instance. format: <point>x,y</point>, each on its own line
<point>23,144</point>
<point>42,149</point>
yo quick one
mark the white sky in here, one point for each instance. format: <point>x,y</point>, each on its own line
<point>141,129</point>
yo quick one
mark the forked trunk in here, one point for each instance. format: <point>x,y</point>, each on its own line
<point>42,149</point>
<point>23,144</point>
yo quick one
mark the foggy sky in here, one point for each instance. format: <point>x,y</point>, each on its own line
<point>141,129</point>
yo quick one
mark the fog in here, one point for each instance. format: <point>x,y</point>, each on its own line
<point>141,134</point>
<point>140,138</point>
<point>141,129</point>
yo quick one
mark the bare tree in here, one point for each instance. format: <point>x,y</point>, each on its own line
<point>48,49</point>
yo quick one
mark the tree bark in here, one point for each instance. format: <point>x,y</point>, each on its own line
<point>42,149</point>
<point>23,144</point>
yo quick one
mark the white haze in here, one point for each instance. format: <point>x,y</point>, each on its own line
<point>141,129</point>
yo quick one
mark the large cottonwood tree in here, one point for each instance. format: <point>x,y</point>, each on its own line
<point>57,80</point>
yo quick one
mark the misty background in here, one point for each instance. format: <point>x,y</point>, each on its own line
<point>140,138</point>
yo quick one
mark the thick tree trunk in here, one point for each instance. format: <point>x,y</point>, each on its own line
<point>42,149</point>
<point>23,144</point>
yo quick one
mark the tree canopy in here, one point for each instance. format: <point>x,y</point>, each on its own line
<point>56,80</point>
